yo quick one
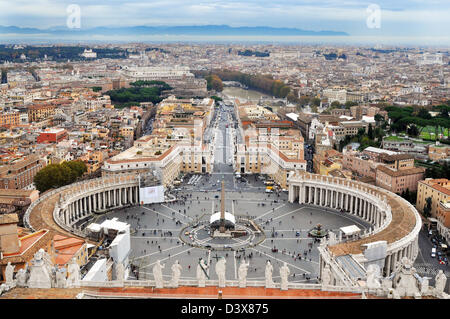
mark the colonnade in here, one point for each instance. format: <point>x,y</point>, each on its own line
<point>338,198</point>
<point>365,201</point>
<point>98,200</point>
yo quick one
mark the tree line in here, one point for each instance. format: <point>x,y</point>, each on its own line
<point>260,82</point>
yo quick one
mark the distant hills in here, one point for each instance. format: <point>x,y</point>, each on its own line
<point>205,30</point>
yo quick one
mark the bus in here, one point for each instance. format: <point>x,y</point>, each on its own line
<point>269,183</point>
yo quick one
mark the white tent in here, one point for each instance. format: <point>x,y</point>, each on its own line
<point>350,230</point>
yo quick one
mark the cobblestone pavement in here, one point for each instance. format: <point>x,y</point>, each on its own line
<point>155,230</point>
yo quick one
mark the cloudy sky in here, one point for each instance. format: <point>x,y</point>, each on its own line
<point>398,18</point>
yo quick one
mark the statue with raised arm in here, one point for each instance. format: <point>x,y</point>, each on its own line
<point>268,275</point>
<point>284,274</point>
<point>201,272</point>
<point>176,273</point>
<point>440,280</point>
<point>220,271</point>
<point>9,274</point>
<point>157,273</point>
<point>243,269</point>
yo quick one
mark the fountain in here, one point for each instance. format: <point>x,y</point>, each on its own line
<point>318,232</point>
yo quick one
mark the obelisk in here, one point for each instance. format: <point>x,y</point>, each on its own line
<point>222,209</point>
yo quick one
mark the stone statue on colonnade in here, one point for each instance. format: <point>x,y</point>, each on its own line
<point>73,269</point>
<point>268,275</point>
<point>243,268</point>
<point>176,273</point>
<point>220,271</point>
<point>157,273</point>
<point>201,273</point>
<point>284,274</point>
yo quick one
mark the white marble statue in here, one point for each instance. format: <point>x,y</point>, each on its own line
<point>21,277</point>
<point>73,270</point>
<point>440,280</point>
<point>201,273</point>
<point>220,271</point>
<point>243,268</point>
<point>268,275</point>
<point>284,274</point>
<point>9,274</point>
<point>405,283</point>
<point>425,286</point>
<point>61,281</point>
<point>332,239</point>
<point>157,273</point>
<point>326,275</point>
<point>373,276</point>
<point>40,274</point>
<point>120,272</point>
<point>176,273</point>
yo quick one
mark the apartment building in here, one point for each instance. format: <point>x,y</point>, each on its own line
<point>20,174</point>
<point>437,189</point>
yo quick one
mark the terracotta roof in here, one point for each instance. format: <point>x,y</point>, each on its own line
<point>402,172</point>
<point>30,244</point>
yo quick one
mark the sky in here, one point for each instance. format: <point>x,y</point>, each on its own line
<point>396,18</point>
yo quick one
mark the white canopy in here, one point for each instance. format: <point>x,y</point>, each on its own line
<point>228,216</point>
<point>350,230</point>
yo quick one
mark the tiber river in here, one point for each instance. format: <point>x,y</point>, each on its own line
<point>240,93</point>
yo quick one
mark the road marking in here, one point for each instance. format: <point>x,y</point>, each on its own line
<point>157,252</point>
<point>281,261</point>
<point>181,252</point>
<point>270,211</point>
<point>169,217</point>
<point>291,212</point>
<point>173,210</point>
<point>303,258</point>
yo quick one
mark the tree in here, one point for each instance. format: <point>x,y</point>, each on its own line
<point>57,175</point>
<point>412,130</point>
<point>370,132</point>
<point>335,104</point>
<point>315,101</point>
<point>427,207</point>
<point>423,113</point>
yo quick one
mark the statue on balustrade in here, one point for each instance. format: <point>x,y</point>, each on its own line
<point>201,272</point>
<point>243,269</point>
<point>22,277</point>
<point>9,273</point>
<point>220,271</point>
<point>326,275</point>
<point>120,272</point>
<point>268,275</point>
<point>157,273</point>
<point>176,274</point>
<point>373,276</point>
<point>73,270</point>
<point>284,274</point>
<point>61,281</point>
<point>40,273</point>
<point>440,280</point>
